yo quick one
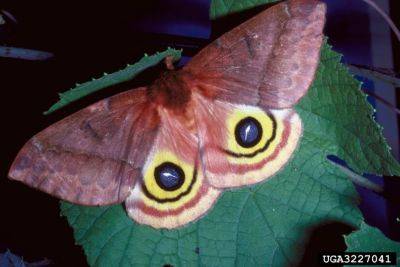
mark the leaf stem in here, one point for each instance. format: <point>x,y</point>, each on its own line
<point>24,53</point>
<point>358,179</point>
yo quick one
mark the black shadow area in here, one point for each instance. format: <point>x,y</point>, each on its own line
<point>326,237</point>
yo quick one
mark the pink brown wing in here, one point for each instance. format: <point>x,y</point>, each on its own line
<point>270,60</point>
<point>93,156</point>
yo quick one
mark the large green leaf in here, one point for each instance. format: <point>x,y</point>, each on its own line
<point>267,224</point>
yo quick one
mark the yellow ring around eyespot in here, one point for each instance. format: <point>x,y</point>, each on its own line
<point>155,190</point>
<point>262,155</point>
<point>150,182</point>
<point>179,203</point>
<point>236,116</point>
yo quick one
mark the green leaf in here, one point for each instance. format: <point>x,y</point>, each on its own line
<point>338,113</point>
<point>371,239</point>
<point>82,90</point>
<point>267,224</point>
<point>220,8</point>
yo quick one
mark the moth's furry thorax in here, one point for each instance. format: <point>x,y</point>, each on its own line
<point>172,90</point>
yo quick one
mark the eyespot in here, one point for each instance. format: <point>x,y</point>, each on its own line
<point>248,132</point>
<point>251,131</point>
<point>169,176</point>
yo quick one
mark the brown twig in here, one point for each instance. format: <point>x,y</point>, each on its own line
<point>384,101</point>
<point>24,53</point>
<point>385,16</point>
<point>376,74</point>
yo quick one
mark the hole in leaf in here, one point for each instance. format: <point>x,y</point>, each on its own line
<point>326,237</point>
<point>380,203</point>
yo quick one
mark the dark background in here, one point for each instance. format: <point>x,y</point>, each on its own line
<point>89,39</point>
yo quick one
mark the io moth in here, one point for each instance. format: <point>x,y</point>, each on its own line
<point>168,150</point>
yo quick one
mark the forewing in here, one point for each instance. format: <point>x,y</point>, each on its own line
<point>93,156</point>
<point>173,190</point>
<point>270,60</point>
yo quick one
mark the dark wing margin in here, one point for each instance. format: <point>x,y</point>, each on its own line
<point>93,156</point>
<point>270,60</point>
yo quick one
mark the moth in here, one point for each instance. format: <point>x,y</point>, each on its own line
<point>168,150</point>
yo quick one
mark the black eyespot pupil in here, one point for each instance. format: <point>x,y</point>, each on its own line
<point>248,132</point>
<point>169,176</point>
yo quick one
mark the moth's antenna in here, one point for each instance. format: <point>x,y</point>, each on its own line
<point>385,16</point>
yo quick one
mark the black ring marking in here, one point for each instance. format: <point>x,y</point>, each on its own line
<point>240,125</point>
<point>265,147</point>
<point>174,199</point>
<point>157,173</point>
